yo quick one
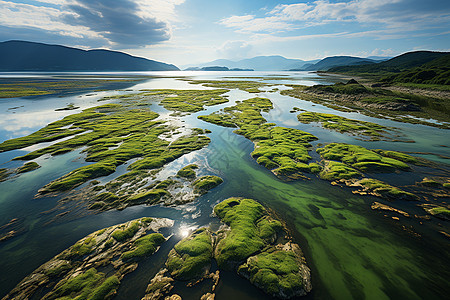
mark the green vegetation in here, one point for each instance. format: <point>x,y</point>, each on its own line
<point>369,130</point>
<point>247,230</point>
<point>188,100</point>
<point>188,171</point>
<point>440,212</point>
<point>334,170</point>
<point>13,88</point>
<point>77,272</point>
<point>410,107</point>
<point>276,272</point>
<point>191,257</point>
<point>362,159</point>
<point>69,106</point>
<point>146,245</point>
<point>83,247</point>
<point>205,183</point>
<point>379,188</point>
<point>112,134</point>
<point>29,166</point>
<point>129,231</point>
<point>248,86</point>
<point>283,149</point>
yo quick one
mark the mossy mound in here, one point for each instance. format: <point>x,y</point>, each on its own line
<point>205,183</point>
<point>361,158</point>
<point>334,170</point>
<point>191,257</point>
<point>246,244</point>
<point>247,234</point>
<point>188,171</point>
<point>29,166</point>
<point>75,273</point>
<point>278,272</point>
<point>369,130</point>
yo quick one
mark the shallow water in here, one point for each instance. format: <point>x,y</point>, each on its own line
<point>353,252</point>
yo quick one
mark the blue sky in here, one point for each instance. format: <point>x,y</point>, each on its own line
<point>194,31</point>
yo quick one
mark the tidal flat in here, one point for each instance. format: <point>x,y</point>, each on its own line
<point>364,197</point>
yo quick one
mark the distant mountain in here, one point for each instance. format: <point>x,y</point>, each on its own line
<point>397,64</point>
<point>335,61</point>
<point>215,68</point>
<point>30,56</point>
<point>379,58</point>
<point>259,63</point>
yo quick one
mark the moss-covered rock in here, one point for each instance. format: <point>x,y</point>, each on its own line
<point>191,257</point>
<point>188,171</point>
<point>29,166</point>
<point>75,273</point>
<point>278,271</point>
<point>206,183</point>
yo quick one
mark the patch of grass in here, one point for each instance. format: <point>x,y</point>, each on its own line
<point>191,257</point>
<point>147,197</point>
<point>29,166</point>
<point>146,245</point>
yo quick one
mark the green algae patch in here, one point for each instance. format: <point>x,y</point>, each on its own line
<point>111,135</point>
<point>13,88</point>
<point>368,130</point>
<point>146,245</point>
<point>277,272</point>
<point>126,233</point>
<point>80,272</point>
<point>251,242</point>
<point>334,170</point>
<point>361,158</point>
<point>247,86</point>
<point>188,101</point>
<point>191,257</point>
<point>381,189</point>
<point>84,247</point>
<point>246,235</point>
<point>438,211</point>
<point>206,183</point>
<point>29,166</point>
<point>188,171</point>
<point>280,149</point>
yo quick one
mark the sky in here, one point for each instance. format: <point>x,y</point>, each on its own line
<point>187,32</point>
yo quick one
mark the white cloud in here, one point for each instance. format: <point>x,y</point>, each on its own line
<point>399,14</point>
<point>235,50</point>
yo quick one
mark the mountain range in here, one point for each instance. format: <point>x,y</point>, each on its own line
<point>258,63</point>
<point>30,56</point>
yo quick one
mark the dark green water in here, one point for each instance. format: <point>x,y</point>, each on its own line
<point>354,253</point>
